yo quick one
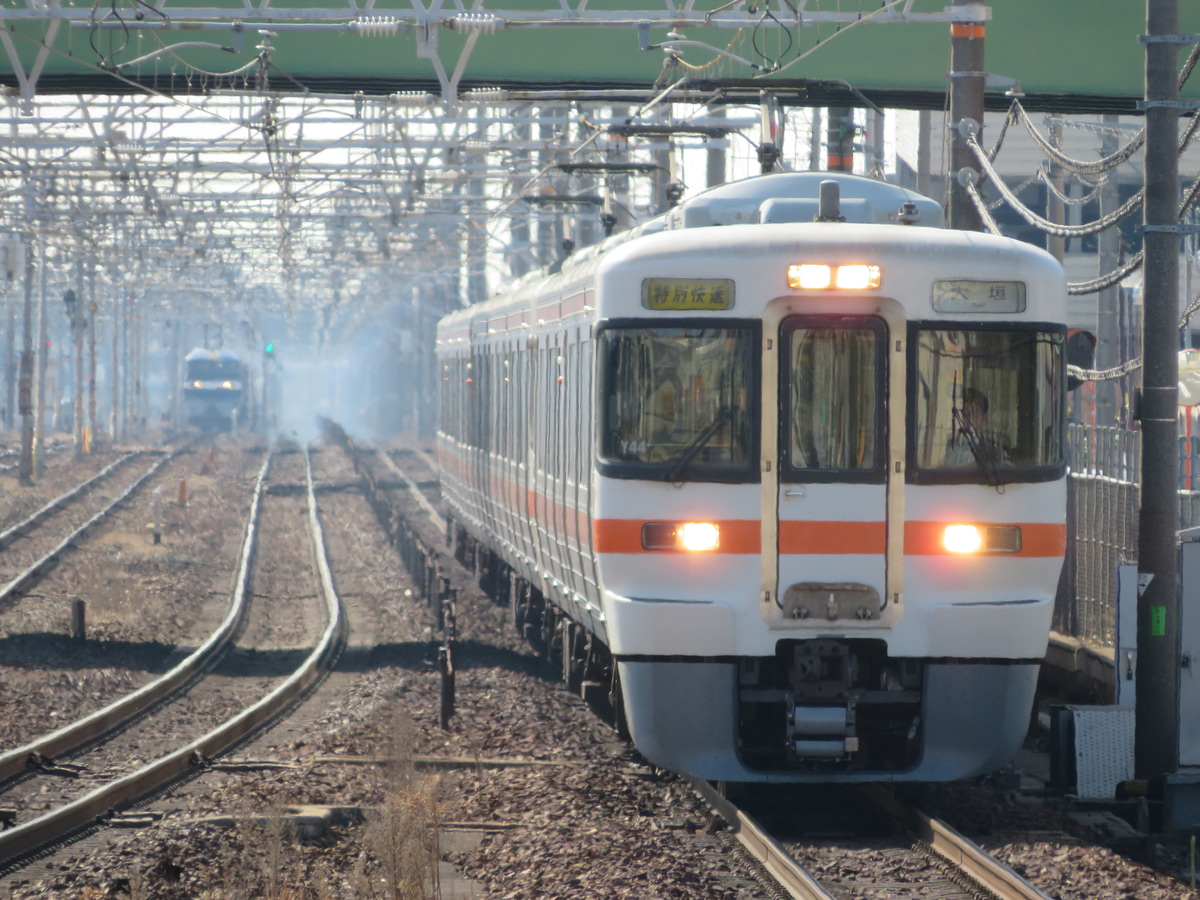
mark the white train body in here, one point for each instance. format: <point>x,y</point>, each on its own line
<point>809,622</point>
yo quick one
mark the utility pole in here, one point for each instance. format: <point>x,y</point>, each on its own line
<point>13,251</point>
<point>40,390</point>
<point>1156,730</point>
<point>25,384</point>
<point>73,301</point>
<point>967,81</point>
<point>839,139</point>
<point>1056,209</point>
<point>92,367</point>
<point>1108,405</point>
<point>715,161</point>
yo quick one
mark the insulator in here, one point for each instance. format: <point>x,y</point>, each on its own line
<point>482,22</point>
<point>485,94</point>
<point>376,26</point>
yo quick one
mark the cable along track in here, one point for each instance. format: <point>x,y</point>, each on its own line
<point>20,842</point>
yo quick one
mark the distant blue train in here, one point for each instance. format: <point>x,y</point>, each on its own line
<point>214,390</point>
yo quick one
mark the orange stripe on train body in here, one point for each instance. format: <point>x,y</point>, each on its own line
<point>1038,539</point>
<point>738,536</point>
<point>825,538</point>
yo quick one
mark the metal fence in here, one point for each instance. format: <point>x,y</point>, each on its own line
<point>1102,523</point>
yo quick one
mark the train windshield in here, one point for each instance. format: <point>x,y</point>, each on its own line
<point>213,370</point>
<point>832,377</point>
<point>989,404</point>
<point>679,402</point>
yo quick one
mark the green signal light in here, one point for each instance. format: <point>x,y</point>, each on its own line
<point>270,348</point>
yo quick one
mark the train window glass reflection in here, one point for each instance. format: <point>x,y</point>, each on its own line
<point>988,401</point>
<point>832,385</point>
<point>680,401</point>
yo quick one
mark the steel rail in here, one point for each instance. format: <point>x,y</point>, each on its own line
<point>83,731</point>
<point>966,855</point>
<point>433,514</point>
<point>9,535</point>
<point>33,572</point>
<point>762,847</point>
<point>124,791</point>
<point>957,849</point>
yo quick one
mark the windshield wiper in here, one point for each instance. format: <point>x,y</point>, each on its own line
<point>698,443</point>
<point>985,450</point>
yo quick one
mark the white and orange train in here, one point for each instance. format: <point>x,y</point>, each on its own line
<point>785,467</point>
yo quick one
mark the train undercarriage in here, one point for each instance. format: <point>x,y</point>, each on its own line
<point>829,705</point>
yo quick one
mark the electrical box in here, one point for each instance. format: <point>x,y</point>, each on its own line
<point>1189,646</point>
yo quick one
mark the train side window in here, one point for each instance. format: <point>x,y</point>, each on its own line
<point>832,393</point>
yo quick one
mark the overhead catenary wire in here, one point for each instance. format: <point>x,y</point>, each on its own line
<point>1129,206</point>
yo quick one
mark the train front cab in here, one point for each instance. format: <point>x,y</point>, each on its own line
<point>906,558</point>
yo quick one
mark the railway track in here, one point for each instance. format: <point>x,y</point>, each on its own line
<point>917,855</point>
<point>243,675</point>
<point>35,543</point>
<point>561,806</point>
<point>930,859</point>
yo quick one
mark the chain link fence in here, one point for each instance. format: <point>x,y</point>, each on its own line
<point>1103,498</point>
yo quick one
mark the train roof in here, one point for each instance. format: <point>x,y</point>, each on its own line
<point>214,355</point>
<point>759,204</point>
<point>794,197</point>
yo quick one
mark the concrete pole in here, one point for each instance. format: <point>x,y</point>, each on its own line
<point>77,323</point>
<point>25,387</point>
<point>839,139</point>
<point>814,141</point>
<point>924,152</point>
<point>1108,403</point>
<point>92,366</point>
<point>520,233</point>
<point>10,335</point>
<point>967,79</point>
<point>476,261</point>
<point>1056,209</point>
<point>715,157</point>
<point>114,378</point>
<point>1156,731</point>
<point>43,357</point>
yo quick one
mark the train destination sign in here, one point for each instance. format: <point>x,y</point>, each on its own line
<point>965,296</point>
<point>687,293</point>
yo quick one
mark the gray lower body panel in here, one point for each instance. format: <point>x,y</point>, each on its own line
<point>683,716</point>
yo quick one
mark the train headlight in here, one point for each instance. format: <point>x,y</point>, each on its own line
<point>858,277</point>
<point>693,537</point>
<point>698,537</point>
<point>227,384</point>
<point>197,384</point>
<point>962,539</point>
<point>816,277</point>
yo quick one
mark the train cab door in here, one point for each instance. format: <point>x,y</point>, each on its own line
<point>833,482</point>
